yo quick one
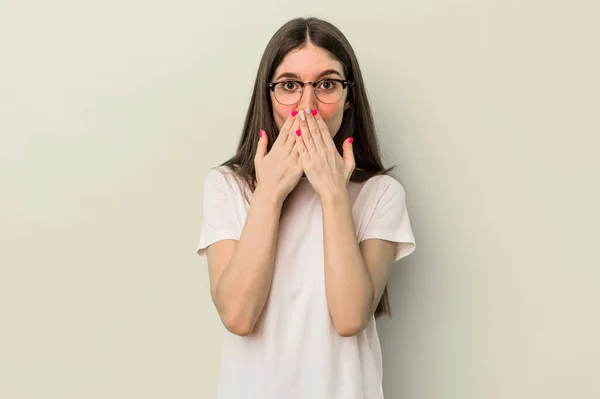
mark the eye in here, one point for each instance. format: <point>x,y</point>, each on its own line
<point>290,85</point>
<point>328,85</point>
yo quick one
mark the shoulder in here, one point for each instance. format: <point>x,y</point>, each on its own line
<point>380,192</point>
<point>219,174</point>
<point>222,176</point>
<point>383,185</point>
<point>224,180</point>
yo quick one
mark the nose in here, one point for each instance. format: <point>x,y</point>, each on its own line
<point>308,99</point>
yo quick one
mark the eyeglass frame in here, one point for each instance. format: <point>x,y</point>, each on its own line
<point>345,84</point>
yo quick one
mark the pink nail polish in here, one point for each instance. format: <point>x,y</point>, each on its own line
<point>350,140</point>
<point>261,133</point>
<point>314,111</point>
<point>298,133</point>
<point>294,113</point>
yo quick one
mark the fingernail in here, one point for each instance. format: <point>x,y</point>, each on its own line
<point>298,133</point>
<point>307,110</point>
<point>314,111</point>
<point>350,140</point>
<point>261,133</point>
<point>294,113</point>
<point>302,116</point>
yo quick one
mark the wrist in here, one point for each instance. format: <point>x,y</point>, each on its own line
<point>268,196</point>
<point>334,197</point>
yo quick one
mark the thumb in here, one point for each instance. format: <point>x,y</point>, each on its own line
<point>263,142</point>
<point>348,154</point>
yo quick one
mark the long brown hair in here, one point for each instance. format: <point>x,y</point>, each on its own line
<point>357,120</point>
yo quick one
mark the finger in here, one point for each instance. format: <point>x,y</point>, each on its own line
<point>290,141</point>
<point>315,132</point>
<point>282,137</point>
<point>295,153</point>
<point>307,135</point>
<point>303,153</point>
<point>348,154</point>
<point>263,142</point>
<point>301,147</point>
<point>325,134</point>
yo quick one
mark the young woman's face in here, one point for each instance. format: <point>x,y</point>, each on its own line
<point>310,63</point>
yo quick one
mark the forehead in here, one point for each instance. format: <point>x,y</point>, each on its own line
<point>308,62</point>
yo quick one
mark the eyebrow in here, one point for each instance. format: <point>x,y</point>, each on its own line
<point>295,76</point>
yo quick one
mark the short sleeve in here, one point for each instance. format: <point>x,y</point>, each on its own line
<point>219,218</point>
<point>389,219</point>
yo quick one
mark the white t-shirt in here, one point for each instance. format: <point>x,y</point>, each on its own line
<point>294,351</point>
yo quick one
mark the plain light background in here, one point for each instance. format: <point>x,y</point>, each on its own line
<point>111,113</point>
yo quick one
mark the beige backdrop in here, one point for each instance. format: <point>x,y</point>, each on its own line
<point>112,111</point>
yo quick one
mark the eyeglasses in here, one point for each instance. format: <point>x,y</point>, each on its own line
<point>328,91</point>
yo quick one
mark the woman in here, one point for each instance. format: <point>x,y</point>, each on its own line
<point>301,226</point>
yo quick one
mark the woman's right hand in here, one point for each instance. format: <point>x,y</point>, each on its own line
<point>279,170</point>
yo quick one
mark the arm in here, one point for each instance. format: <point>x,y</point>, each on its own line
<point>241,272</point>
<point>355,275</point>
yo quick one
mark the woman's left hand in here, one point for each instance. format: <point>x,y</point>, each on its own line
<point>327,171</point>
